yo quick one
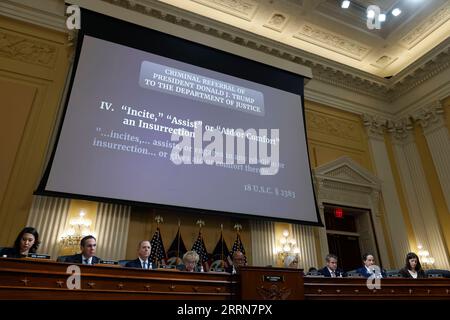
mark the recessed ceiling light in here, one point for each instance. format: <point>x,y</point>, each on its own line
<point>345,4</point>
<point>370,14</point>
<point>382,17</point>
<point>396,12</point>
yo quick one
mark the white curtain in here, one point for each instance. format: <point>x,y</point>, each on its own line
<point>304,235</point>
<point>263,242</point>
<point>49,216</point>
<point>111,228</point>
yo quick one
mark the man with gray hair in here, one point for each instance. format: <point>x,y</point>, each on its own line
<point>142,262</point>
<point>331,269</point>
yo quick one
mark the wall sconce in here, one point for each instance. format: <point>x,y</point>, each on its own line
<point>288,246</point>
<point>425,259</point>
<point>79,228</point>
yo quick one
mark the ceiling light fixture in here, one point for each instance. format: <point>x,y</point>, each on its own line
<point>345,4</point>
<point>382,17</point>
<point>370,14</point>
<point>396,12</point>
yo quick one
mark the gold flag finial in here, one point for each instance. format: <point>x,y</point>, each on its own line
<point>200,223</point>
<point>159,219</point>
<point>237,227</point>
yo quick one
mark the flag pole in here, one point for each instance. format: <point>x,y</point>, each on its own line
<point>221,240</point>
<point>178,240</point>
<point>158,220</point>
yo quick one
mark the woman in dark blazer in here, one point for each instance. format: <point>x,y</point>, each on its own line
<point>413,268</point>
<point>26,242</point>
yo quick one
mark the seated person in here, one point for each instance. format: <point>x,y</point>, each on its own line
<point>291,261</point>
<point>312,270</point>
<point>190,262</point>
<point>413,268</point>
<point>369,267</point>
<point>27,241</point>
<point>331,269</point>
<point>88,246</point>
<point>238,259</point>
<point>142,262</point>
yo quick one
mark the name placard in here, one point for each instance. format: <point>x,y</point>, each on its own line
<point>273,278</point>
<point>108,262</point>
<point>38,256</point>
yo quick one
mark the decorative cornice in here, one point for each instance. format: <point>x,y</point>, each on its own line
<point>51,17</point>
<point>324,70</point>
<point>17,47</point>
<point>423,71</point>
<point>431,118</point>
<point>244,9</point>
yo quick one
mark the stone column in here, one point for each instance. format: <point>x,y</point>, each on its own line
<point>398,234</point>
<point>418,197</point>
<point>438,139</point>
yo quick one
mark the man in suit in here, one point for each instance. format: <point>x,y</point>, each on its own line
<point>331,269</point>
<point>142,262</point>
<point>370,268</point>
<point>238,259</point>
<point>88,246</point>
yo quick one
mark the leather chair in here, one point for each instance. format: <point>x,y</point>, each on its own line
<point>122,263</point>
<point>393,274</point>
<point>62,258</point>
<point>437,273</point>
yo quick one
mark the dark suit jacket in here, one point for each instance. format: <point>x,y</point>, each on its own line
<point>363,271</point>
<point>77,258</point>
<point>137,264</point>
<point>405,273</point>
<point>10,253</point>
<point>324,271</point>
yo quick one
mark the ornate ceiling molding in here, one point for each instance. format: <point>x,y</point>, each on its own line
<point>421,71</point>
<point>333,41</point>
<point>425,28</point>
<point>324,70</point>
<point>244,9</point>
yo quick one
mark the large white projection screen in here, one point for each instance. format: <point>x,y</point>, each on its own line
<point>241,145</point>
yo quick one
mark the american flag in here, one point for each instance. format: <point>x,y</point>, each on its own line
<point>176,250</point>
<point>158,254</point>
<point>200,248</point>
<point>219,256</point>
<point>238,246</point>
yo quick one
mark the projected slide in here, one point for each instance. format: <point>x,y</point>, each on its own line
<point>146,128</point>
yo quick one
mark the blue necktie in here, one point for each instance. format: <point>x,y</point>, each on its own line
<point>144,265</point>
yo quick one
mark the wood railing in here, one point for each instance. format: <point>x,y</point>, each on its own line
<point>49,280</point>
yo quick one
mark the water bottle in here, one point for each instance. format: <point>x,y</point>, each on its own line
<point>150,265</point>
<point>201,269</point>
